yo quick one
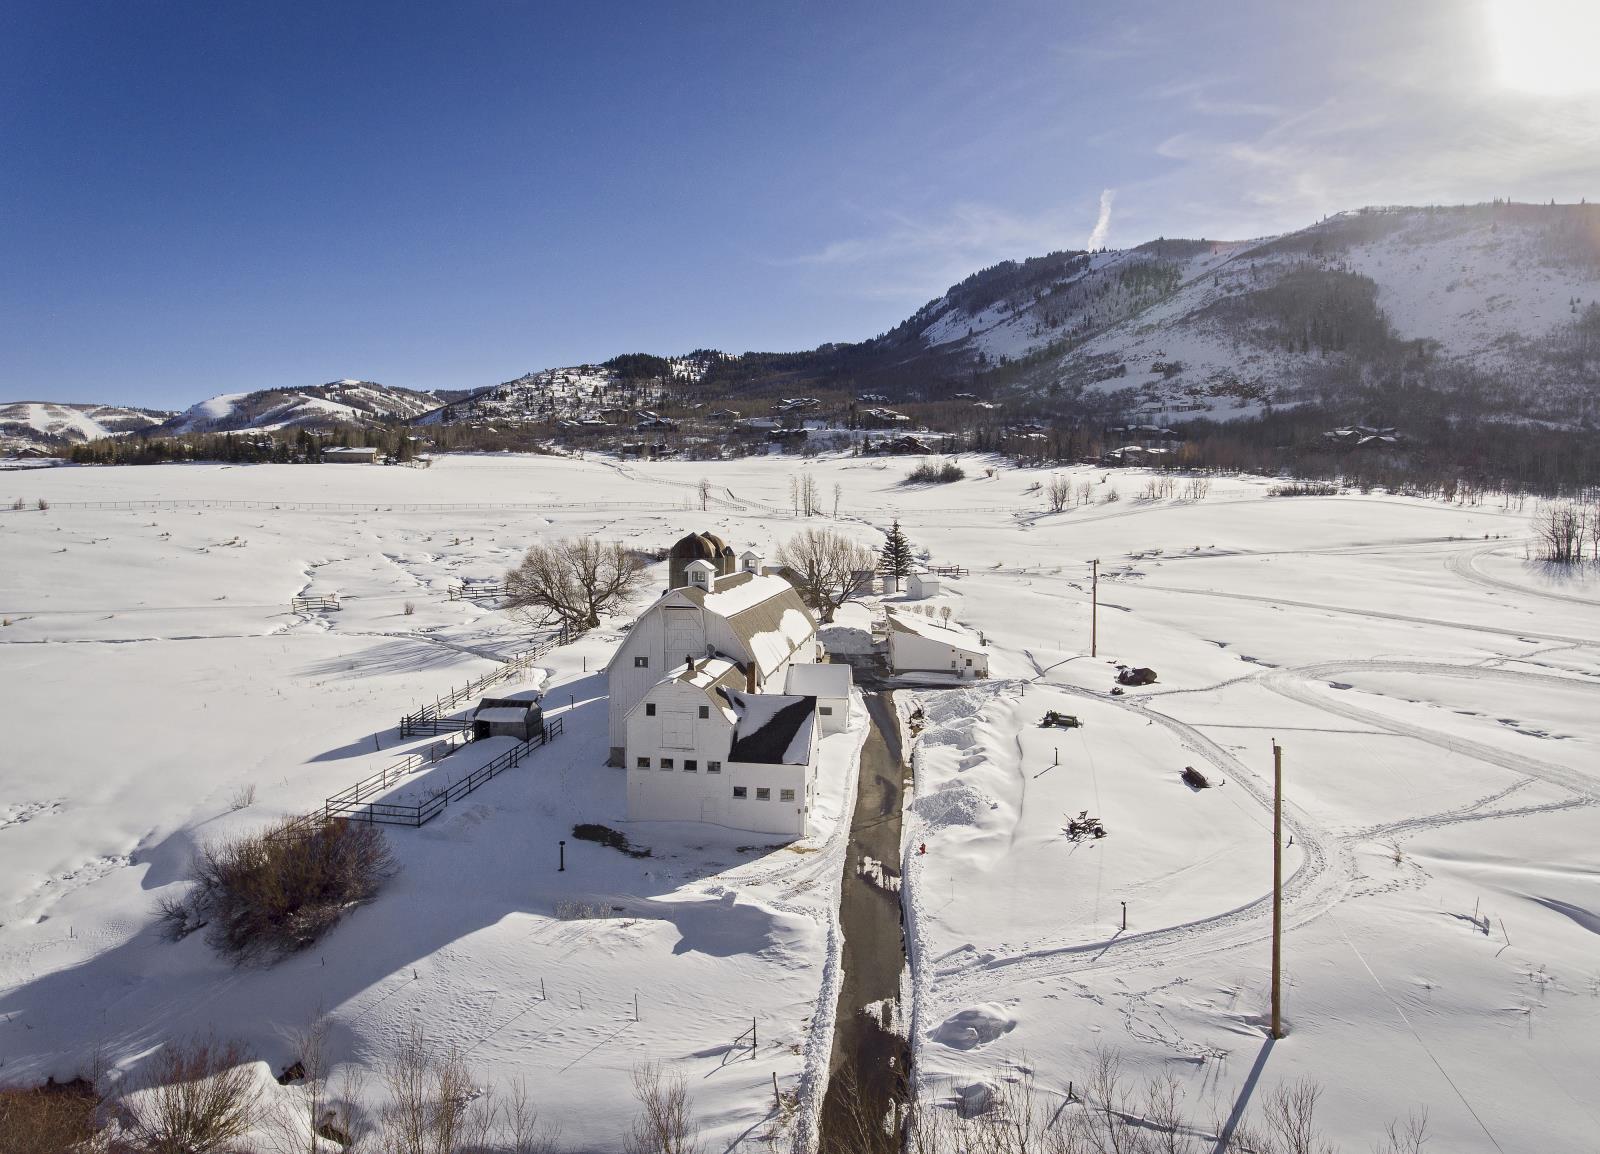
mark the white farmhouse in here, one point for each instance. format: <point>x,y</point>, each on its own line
<point>757,621</point>
<point>919,645</point>
<point>830,685</point>
<point>921,583</point>
<point>700,748</point>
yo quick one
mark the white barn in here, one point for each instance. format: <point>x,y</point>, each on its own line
<point>830,685</point>
<point>700,748</point>
<point>758,622</point>
<point>919,645</point>
<point>921,583</point>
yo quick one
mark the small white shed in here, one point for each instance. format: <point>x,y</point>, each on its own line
<point>830,685</point>
<point>921,583</point>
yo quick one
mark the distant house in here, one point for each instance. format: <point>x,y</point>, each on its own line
<point>507,717</point>
<point>341,456</point>
<point>921,583</point>
<point>723,415</point>
<point>919,645</point>
<point>830,685</point>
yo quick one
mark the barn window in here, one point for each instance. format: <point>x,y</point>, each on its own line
<point>690,765</point>
<point>643,763</point>
<point>740,792</point>
<point>666,763</point>
<point>641,663</point>
<point>763,793</point>
<point>713,767</point>
<point>649,709</point>
<point>786,795</point>
<point>825,710</point>
<point>705,712</point>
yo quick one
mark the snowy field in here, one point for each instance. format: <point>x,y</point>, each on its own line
<point>1434,692</point>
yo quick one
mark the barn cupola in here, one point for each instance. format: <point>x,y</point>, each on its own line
<point>700,574</point>
<point>750,561</point>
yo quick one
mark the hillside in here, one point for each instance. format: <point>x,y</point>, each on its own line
<point>1498,301</point>
<point>1392,315</point>
<point>344,402</point>
<point>49,424</point>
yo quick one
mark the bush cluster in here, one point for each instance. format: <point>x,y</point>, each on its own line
<point>278,890</point>
<point>928,473</point>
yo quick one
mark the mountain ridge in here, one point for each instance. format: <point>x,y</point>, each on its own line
<point>1494,305</point>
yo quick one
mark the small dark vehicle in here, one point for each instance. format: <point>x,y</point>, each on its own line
<point>1084,826</point>
<point>1135,675</point>
<point>1058,720</point>
<point>1194,779</point>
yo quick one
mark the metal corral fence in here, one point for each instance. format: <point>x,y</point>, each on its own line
<point>350,805</point>
<point>307,604</point>
<point>435,716</point>
<point>467,590</point>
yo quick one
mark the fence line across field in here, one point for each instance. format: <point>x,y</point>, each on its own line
<point>348,804</point>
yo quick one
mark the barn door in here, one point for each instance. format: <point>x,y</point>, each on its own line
<point>683,636</point>
<point>677,730</point>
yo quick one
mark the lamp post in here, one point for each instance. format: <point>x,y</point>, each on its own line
<point>563,864</point>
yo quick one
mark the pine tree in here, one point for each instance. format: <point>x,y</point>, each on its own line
<point>897,552</point>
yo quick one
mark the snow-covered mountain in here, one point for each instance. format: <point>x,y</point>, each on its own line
<point>49,424</point>
<point>1500,298</point>
<point>344,402</point>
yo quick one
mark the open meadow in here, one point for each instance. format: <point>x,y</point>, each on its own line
<point>1433,690</point>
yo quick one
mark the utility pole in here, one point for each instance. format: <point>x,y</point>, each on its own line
<point>1277,889</point>
<point>1094,610</point>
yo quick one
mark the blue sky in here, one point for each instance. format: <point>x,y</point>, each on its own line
<point>200,198</point>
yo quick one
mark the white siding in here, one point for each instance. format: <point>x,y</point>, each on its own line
<point>910,651</point>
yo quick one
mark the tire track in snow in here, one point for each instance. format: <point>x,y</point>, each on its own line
<point>1295,685</point>
<point>1323,878</point>
<point>1465,565</point>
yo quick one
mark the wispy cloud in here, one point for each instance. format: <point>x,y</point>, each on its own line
<point>917,256</point>
<point>1102,224</point>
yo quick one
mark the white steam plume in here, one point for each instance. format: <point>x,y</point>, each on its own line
<point>1102,225</point>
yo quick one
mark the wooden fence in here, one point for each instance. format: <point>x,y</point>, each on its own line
<point>468,590</point>
<point>310,604</point>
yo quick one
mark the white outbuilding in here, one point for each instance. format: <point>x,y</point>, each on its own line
<point>921,584</point>
<point>921,645</point>
<point>830,685</point>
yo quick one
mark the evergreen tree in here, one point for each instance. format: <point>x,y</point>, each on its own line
<point>897,552</point>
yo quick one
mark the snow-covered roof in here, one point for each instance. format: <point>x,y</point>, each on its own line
<point>953,635</point>
<point>772,728</point>
<point>818,680</point>
<point>502,713</point>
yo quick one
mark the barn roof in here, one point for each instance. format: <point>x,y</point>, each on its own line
<point>772,728</point>
<point>818,680</point>
<point>952,635</point>
<point>764,611</point>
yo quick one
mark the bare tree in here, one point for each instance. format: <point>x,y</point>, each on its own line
<point>810,502</point>
<point>838,491</point>
<point>199,1097</point>
<point>665,1124</point>
<point>828,567</point>
<point>1058,492</point>
<point>572,582</point>
<point>705,493</point>
<point>433,1107</point>
<point>1559,528</point>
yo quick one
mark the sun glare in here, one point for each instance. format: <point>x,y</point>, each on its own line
<point>1546,46</point>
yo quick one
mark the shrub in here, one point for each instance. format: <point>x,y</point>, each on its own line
<point>411,607</point>
<point>279,890</point>
<point>607,836</point>
<point>43,504</point>
<point>1304,489</point>
<point>927,473</point>
<point>48,1119</point>
<point>197,1098</point>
